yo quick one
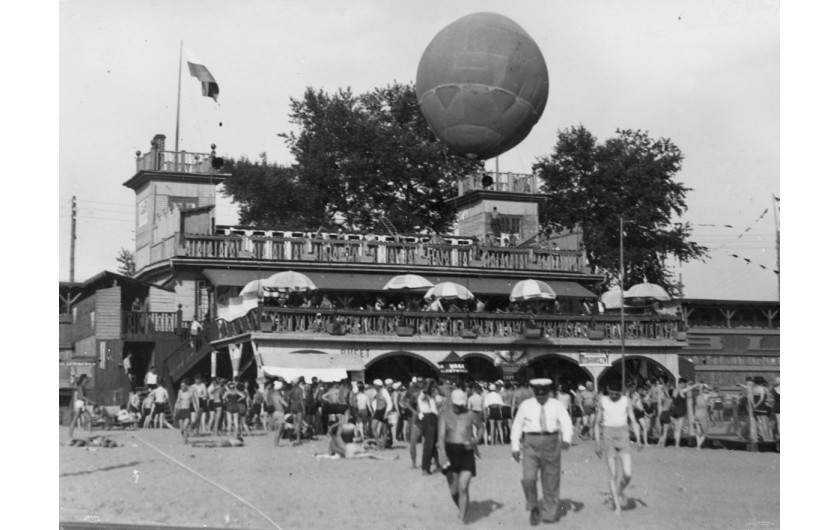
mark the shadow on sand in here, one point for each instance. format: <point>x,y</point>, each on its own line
<point>481,509</point>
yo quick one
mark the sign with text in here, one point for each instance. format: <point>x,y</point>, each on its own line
<point>594,359</point>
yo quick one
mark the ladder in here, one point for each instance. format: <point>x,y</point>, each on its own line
<point>388,225</point>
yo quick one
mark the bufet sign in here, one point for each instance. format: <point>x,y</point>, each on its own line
<point>594,359</point>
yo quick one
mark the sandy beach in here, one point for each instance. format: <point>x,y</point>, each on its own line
<point>133,483</point>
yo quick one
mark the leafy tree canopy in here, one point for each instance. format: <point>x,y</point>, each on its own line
<point>593,184</point>
<point>357,157</point>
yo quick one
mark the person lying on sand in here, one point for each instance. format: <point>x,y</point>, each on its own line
<point>340,447</point>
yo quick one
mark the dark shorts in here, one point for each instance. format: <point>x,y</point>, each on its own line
<point>460,459</point>
<point>182,414</point>
<point>233,408</point>
<point>763,410</point>
<point>203,405</point>
<point>588,410</point>
<point>363,414</point>
<point>506,415</point>
<point>665,417</point>
<point>215,405</point>
<point>494,412</point>
<point>639,413</point>
<point>379,415</point>
<point>576,412</point>
<point>241,408</point>
<point>296,408</point>
<point>335,408</point>
<point>678,412</point>
<point>159,408</point>
<point>133,409</point>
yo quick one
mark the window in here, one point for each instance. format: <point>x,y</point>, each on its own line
<point>511,224</point>
<point>184,203</point>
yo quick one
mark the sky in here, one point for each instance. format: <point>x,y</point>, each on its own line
<point>705,74</point>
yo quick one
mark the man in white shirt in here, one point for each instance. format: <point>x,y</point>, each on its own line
<point>542,428</point>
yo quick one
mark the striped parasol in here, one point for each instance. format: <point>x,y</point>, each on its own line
<point>407,282</point>
<point>527,290</point>
<point>449,291</point>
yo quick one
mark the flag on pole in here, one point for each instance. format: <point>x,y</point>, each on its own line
<point>209,87</point>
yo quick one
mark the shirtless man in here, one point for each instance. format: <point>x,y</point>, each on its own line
<point>339,433</point>
<point>458,449</point>
<point>701,414</point>
<point>200,417</point>
<point>160,396</point>
<point>186,404</point>
<point>615,411</point>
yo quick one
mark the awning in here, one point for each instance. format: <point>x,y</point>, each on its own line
<point>293,363</point>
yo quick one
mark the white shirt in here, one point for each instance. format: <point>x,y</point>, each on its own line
<point>614,412</point>
<point>493,398</point>
<point>527,420</point>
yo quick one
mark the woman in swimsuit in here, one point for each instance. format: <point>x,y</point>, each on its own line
<point>243,403</point>
<point>637,400</point>
<point>215,406</point>
<point>664,418</point>
<point>701,414</point>
<point>231,401</point>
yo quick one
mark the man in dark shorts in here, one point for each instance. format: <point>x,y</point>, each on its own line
<point>296,407</point>
<point>458,449</point>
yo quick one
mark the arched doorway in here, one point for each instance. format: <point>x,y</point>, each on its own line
<point>480,368</point>
<point>557,368</point>
<point>399,366</point>
<point>637,369</point>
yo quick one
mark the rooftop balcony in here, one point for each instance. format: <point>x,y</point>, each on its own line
<point>412,251</point>
<point>508,182</point>
<point>434,325</point>
<point>178,162</point>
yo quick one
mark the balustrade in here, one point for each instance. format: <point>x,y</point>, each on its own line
<point>392,253</point>
<point>434,324</point>
<point>149,322</point>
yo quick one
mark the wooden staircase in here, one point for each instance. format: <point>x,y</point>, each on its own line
<point>185,357</point>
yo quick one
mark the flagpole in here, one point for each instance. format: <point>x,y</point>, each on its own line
<point>178,107</point>
<point>778,246</point>
<point>621,290</point>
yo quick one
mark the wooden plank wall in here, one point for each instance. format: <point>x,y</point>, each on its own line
<point>108,313</point>
<point>160,300</point>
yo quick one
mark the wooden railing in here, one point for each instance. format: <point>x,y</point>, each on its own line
<point>432,324</point>
<point>151,322</point>
<point>178,162</point>
<point>345,251</point>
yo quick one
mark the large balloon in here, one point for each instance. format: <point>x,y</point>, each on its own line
<point>482,84</point>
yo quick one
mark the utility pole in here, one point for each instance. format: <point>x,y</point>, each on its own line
<point>73,240</point>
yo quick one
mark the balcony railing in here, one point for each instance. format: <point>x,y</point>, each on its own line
<point>391,253</point>
<point>152,322</point>
<point>178,162</point>
<point>432,324</point>
<point>509,182</point>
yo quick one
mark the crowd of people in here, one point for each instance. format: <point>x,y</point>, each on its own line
<point>444,422</point>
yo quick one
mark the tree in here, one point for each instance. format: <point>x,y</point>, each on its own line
<point>359,157</point>
<point>632,175</point>
<point>126,260</point>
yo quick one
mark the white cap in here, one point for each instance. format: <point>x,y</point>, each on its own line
<point>377,382</point>
<point>458,397</point>
<point>492,387</point>
<point>278,385</point>
<point>396,385</point>
<point>540,382</point>
<point>389,381</point>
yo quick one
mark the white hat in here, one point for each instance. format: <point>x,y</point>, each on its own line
<point>540,382</point>
<point>389,381</point>
<point>377,382</point>
<point>278,385</point>
<point>396,385</point>
<point>458,397</point>
<point>492,387</point>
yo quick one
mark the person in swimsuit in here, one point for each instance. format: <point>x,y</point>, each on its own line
<point>586,400</point>
<point>458,449</point>
<point>343,446</point>
<point>80,405</point>
<point>296,407</point>
<point>231,403</point>
<point>161,398</point>
<point>679,407</point>
<point>278,403</point>
<point>664,416</point>
<point>614,412</point>
<point>427,413</point>
<point>185,405</point>
<point>776,408</point>
<point>243,404</point>
<point>762,408</point>
<point>148,406</point>
<point>701,414</point>
<point>214,392</point>
<point>637,401</point>
<point>201,416</point>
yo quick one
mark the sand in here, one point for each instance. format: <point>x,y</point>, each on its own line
<point>671,488</point>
